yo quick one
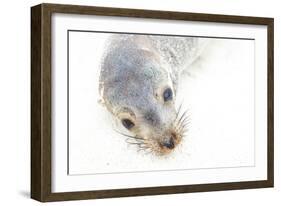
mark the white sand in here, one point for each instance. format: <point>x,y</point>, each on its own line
<point>218,91</point>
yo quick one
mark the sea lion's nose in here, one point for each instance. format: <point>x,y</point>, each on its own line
<point>170,144</point>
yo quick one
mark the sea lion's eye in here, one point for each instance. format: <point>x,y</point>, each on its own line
<point>127,123</point>
<point>168,94</point>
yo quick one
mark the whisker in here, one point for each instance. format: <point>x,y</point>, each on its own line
<point>187,120</point>
<point>143,150</point>
<point>184,126</point>
<point>123,134</point>
<point>187,117</point>
<point>130,136</point>
<point>178,111</point>
<point>135,138</point>
<point>143,147</point>
<point>181,124</point>
<point>134,143</point>
<point>185,123</point>
<point>182,116</point>
<point>129,141</point>
<point>138,138</point>
<point>140,149</point>
<point>178,122</point>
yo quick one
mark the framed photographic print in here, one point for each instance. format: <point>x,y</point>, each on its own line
<point>129,102</point>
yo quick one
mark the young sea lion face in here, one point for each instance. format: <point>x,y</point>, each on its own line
<point>138,90</point>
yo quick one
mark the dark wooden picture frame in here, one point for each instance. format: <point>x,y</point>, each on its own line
<point>41,101</point>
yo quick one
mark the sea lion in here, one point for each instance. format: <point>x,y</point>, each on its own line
<point>138,85</point>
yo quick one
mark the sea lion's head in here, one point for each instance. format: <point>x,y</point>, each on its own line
<point>138,89</point>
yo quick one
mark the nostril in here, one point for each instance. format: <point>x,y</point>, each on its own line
<point>169,144</point>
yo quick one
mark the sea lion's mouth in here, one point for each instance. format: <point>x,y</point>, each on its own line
<point>169,144</point>
<point>158,146</point>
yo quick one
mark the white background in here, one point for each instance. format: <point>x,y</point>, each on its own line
<point>15,102</point>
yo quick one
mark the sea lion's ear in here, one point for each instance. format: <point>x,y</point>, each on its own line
<point>101,102</point>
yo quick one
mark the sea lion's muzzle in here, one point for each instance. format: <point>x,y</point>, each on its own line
<point>158,132</point>
<point>168,142</point>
